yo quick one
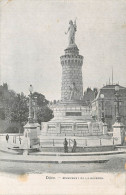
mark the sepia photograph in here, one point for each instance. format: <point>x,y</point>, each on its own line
<point>62,97</point>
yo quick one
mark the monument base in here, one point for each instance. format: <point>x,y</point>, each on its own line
<point>72,118</point>
<point>118,133</point>
<point>31,139</point>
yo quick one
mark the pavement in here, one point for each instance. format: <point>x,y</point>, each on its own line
<point>43,157</point>
<point>10,155</point>
<point>12,162</point>
<point>59,158</point>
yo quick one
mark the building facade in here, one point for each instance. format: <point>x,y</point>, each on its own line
<point>109,105</point>
<point>89,96</point>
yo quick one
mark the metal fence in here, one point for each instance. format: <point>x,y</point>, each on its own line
<point>80,142</point>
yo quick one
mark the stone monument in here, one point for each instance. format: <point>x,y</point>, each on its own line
<point>31,140</point>
<point>71,116</point>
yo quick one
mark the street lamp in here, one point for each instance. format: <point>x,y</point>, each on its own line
<point>30,117</point>
<point>102,103</point>
<point>117,101</point>
<point>35,109</point>
<point>19,113</point>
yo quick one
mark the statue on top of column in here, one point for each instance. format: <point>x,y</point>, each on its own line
<point>71,29</point>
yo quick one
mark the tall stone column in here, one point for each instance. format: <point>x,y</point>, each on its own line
<point>72,84</point>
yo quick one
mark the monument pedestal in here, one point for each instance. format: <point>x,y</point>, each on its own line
<point>31,136</point>
<point>70,118</point>
<point>73,119</point>
<point>118,133</point>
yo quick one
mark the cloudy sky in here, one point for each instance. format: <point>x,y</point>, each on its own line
<point>32,39</point>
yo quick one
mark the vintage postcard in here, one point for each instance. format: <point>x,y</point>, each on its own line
<point>62,97</point>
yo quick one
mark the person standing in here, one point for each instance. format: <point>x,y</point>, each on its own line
<point>20,140</point>
<point>65,143</point>
<point>74,146</point>
<point>7,138</point>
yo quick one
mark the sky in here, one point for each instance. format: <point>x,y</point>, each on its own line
<point>32,39</point>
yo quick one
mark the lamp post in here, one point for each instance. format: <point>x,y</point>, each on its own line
<point>102,104</point>
<point>19,115</point>
<point>30,129</point>
<point>117,101</point>
<point>30,117</point>
<point>118,127</point>
<point>35,109</point>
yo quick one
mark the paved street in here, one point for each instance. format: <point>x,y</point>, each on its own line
<point>113,165</point>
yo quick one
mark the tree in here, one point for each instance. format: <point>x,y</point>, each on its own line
<point>7,102</point>
<point>10,111</point>
<point>44,113</point>
<point>2,114</point>
<point>19,109</point>
<point>14,108</point>
<point>41,101</point>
